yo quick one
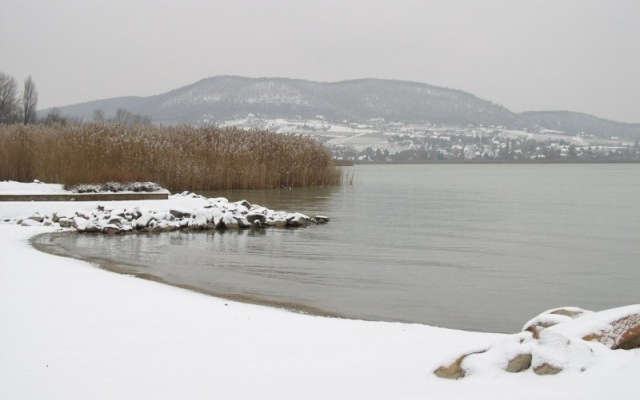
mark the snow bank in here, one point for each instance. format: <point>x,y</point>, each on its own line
<point>36,187</point>
<point>72,331</point>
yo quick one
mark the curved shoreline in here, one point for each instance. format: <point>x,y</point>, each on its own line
<point>39,242</point>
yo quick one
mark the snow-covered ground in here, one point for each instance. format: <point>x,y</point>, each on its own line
<point>12,187</point>
<point>69,330</point>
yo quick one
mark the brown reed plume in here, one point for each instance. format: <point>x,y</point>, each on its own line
<point>178,158</point>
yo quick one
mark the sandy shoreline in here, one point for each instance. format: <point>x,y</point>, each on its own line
<point>43,242</point>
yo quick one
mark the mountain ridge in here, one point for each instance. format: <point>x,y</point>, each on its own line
<point>219,98</point>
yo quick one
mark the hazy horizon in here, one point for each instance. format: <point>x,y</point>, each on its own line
<point>575,55</point>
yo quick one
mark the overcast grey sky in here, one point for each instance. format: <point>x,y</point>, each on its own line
<point>579,55</point>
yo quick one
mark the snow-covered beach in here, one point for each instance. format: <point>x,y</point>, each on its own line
<point>70,330</point>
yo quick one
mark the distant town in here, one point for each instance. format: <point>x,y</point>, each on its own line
<point>377,140</point>
<point>377,120</point>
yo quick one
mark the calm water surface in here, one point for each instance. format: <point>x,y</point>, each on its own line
<point>478,247</point>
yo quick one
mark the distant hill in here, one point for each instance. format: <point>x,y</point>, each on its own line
<point>575,122</point>
<point>226,97</point>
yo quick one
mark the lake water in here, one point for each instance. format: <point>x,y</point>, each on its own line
<point>476,247</point>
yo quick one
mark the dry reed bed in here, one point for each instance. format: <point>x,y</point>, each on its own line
<point>178,158</point>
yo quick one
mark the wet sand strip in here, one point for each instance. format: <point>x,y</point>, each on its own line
<point>45,242</point>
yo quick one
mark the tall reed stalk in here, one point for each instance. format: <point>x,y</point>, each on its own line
<point>178,158</point>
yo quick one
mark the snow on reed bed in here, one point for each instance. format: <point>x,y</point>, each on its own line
<point>178,158</point>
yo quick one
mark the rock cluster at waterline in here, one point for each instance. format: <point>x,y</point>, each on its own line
<point>216,213</point>
<point>561,339</point>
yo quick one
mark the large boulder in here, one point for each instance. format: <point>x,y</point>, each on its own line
<point>618,328</point>
<point>623,333</point>
<point>561,339</point>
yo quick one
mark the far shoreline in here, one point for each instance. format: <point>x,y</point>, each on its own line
<point>493,161</point>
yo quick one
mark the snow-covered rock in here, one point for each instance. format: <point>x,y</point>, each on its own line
<point>144,219</point>
<point>561,339</point>
<point>180,213</point>
<point>199,221</point>
<point>552,317</point>
<point>216,213</point>
<point>30,222</point>
<point>297,219</point>
<point>36,217</point>
<point>228,221</point>
<point>79,223</point>
<point>64,222</point>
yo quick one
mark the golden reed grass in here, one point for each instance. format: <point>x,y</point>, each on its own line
<point>177,158</point>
